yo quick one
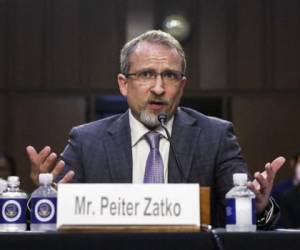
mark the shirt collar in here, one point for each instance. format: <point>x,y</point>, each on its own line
<point>138,130</point>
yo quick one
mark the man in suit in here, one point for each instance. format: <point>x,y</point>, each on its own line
<point>115,149</point>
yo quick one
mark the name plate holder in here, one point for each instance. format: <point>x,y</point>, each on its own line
<point>132,207</point>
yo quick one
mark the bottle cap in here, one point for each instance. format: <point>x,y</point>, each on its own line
<point>13,181</point>
<point>45,178</point>
<point>240,179</point>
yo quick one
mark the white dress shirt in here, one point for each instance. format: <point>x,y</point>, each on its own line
<point>141,148</point>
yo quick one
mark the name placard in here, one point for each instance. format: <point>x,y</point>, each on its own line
<point>128,204</point>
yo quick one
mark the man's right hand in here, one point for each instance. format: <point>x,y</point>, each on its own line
<point>46,162</point>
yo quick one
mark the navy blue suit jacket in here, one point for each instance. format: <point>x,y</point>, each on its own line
<point>100,152</point>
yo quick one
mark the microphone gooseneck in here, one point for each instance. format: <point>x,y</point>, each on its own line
<point>162,118</point>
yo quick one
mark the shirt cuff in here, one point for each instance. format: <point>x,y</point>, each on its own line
<point>268,218</point>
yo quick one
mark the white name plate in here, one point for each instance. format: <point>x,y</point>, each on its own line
<point>128,204</point>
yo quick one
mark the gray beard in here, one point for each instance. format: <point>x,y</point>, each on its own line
<point>149,120</point>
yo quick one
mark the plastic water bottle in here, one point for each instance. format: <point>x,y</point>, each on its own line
<point>240,206</point>
<point>3,185</point>
<point>43,205</point>
<point>13,203</point>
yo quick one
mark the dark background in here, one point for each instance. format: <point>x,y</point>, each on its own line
<point>58,58</point>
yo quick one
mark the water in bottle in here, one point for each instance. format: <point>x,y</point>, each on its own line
<point>240,206</point>
<point>13,203</point>
<point>43,205</point>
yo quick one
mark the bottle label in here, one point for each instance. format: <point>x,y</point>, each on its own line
<point>230,211</point>
<point>13,210</point>
<point>241,211</point>
<point>43,210</point>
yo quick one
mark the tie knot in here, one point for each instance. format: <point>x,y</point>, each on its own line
<point>153,138</point>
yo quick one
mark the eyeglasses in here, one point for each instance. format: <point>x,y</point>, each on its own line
<point>171,77</point>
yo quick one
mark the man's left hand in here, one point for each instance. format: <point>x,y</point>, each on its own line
<point>263,183</point>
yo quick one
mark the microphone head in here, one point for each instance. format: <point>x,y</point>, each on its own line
<point>162,118</point>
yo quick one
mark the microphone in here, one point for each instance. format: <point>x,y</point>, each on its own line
<point>162,118</point>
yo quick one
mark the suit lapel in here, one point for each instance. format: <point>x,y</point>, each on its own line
<point>184,137</point>
<point>118,150</point>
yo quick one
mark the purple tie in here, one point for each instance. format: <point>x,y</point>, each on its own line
<point>154,172</point>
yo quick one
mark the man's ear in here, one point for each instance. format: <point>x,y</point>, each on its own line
<point>183,82</point>
<point>182,85</point>
<point>122,82</point>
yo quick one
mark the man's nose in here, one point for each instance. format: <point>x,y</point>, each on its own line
<point>158,87</point>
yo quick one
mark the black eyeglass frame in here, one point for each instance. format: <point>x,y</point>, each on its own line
<point>155,74</point>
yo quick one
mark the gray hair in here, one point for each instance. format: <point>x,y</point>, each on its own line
<point>152,36</point>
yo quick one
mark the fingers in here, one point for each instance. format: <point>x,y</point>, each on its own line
<point>48,163</point>
<point>44,153</point>
<point>42,162</point>
<point>58,168</point>
<point>262,181</point>
<point>261,199</point>
<point>68,177</point>
<point>32,154</point>
<point>277,164</point>
<point>266,178</point>
<point>254,189</point>
<point>272,168</point>
<point>269,173</point>
<point>256,184</point>
<point>36,159</point>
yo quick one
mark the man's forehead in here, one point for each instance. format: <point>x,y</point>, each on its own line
<point>149,55</point>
